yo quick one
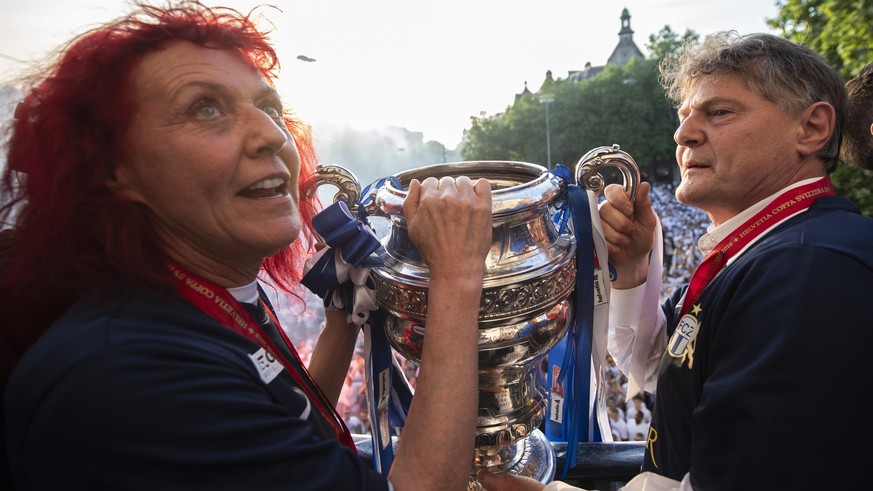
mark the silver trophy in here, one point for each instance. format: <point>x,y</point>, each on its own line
<point>524,310</point>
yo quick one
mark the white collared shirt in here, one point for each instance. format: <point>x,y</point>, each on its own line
<point>714,235</point>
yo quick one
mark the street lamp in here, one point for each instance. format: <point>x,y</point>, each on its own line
<point>546,100</point>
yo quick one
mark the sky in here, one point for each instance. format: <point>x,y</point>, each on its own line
<point>425,66</point>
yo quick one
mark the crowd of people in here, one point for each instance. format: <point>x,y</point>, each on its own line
<point>629,415</point>
<point>352,404</point>
<point>682,225</point>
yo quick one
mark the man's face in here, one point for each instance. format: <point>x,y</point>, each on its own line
<point>734,147</point>
<point>209,156</point>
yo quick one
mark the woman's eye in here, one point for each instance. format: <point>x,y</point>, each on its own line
<point>206,110</point>
<point>273,111</point>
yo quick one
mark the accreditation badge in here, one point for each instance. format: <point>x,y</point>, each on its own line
<point>685,333</point>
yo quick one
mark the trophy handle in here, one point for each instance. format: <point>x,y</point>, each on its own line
<point>347,184</point>
<point>589,166</point>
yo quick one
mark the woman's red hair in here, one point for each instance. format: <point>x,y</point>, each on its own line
<point>69,230</point>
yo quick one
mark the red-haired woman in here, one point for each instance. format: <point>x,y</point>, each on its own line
<point>152,175</point>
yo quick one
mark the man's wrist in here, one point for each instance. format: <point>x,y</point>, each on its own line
<point>631,276</point>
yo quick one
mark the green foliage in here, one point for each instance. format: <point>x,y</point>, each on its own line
<point>622,104</point>
<point>839,30</point>
<point>857,184</point>
<point>487,139</point>
<point>666,42</point>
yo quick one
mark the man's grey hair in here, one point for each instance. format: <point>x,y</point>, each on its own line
<point>789,75</point>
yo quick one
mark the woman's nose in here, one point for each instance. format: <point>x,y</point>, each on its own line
<point>265,134</point>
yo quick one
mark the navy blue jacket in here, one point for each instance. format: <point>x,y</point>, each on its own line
<point>140,390</point>
<point>783,348</point>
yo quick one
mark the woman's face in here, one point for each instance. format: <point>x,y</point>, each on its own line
<point>208,155</point>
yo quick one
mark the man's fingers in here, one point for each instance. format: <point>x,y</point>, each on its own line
<point>614,237</point>
<point>615,195</point>
<point>615,219</point>
<point>643,206</point>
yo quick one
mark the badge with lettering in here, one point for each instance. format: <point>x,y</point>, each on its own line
<point>599,289</point>
<point>267,366</point>
<point>681,343</point>
<point>556,401</point>
<point>384,398</point>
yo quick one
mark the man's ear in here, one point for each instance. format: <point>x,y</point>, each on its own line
<point>817,125</point>
<point>871,129</point>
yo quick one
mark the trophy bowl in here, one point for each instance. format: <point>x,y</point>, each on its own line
<point>524,309</point>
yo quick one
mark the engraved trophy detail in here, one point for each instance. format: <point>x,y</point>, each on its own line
<point>524,309</point>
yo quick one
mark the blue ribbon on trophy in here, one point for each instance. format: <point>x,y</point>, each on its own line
<point>339,274</point>
<point>575,418</point>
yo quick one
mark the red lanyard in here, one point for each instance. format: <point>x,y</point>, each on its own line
<point>785,205</point>
<point>217,303</point>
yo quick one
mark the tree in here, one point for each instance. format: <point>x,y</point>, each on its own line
<point>839,30</point>
<point>622,104</point>
<point>667,43</point>
<point>857,184</point>
<point>487,139</point>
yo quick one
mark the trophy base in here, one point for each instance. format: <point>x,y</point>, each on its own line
<point>531,457</point>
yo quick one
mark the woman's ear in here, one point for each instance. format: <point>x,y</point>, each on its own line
<point>121,183</point>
